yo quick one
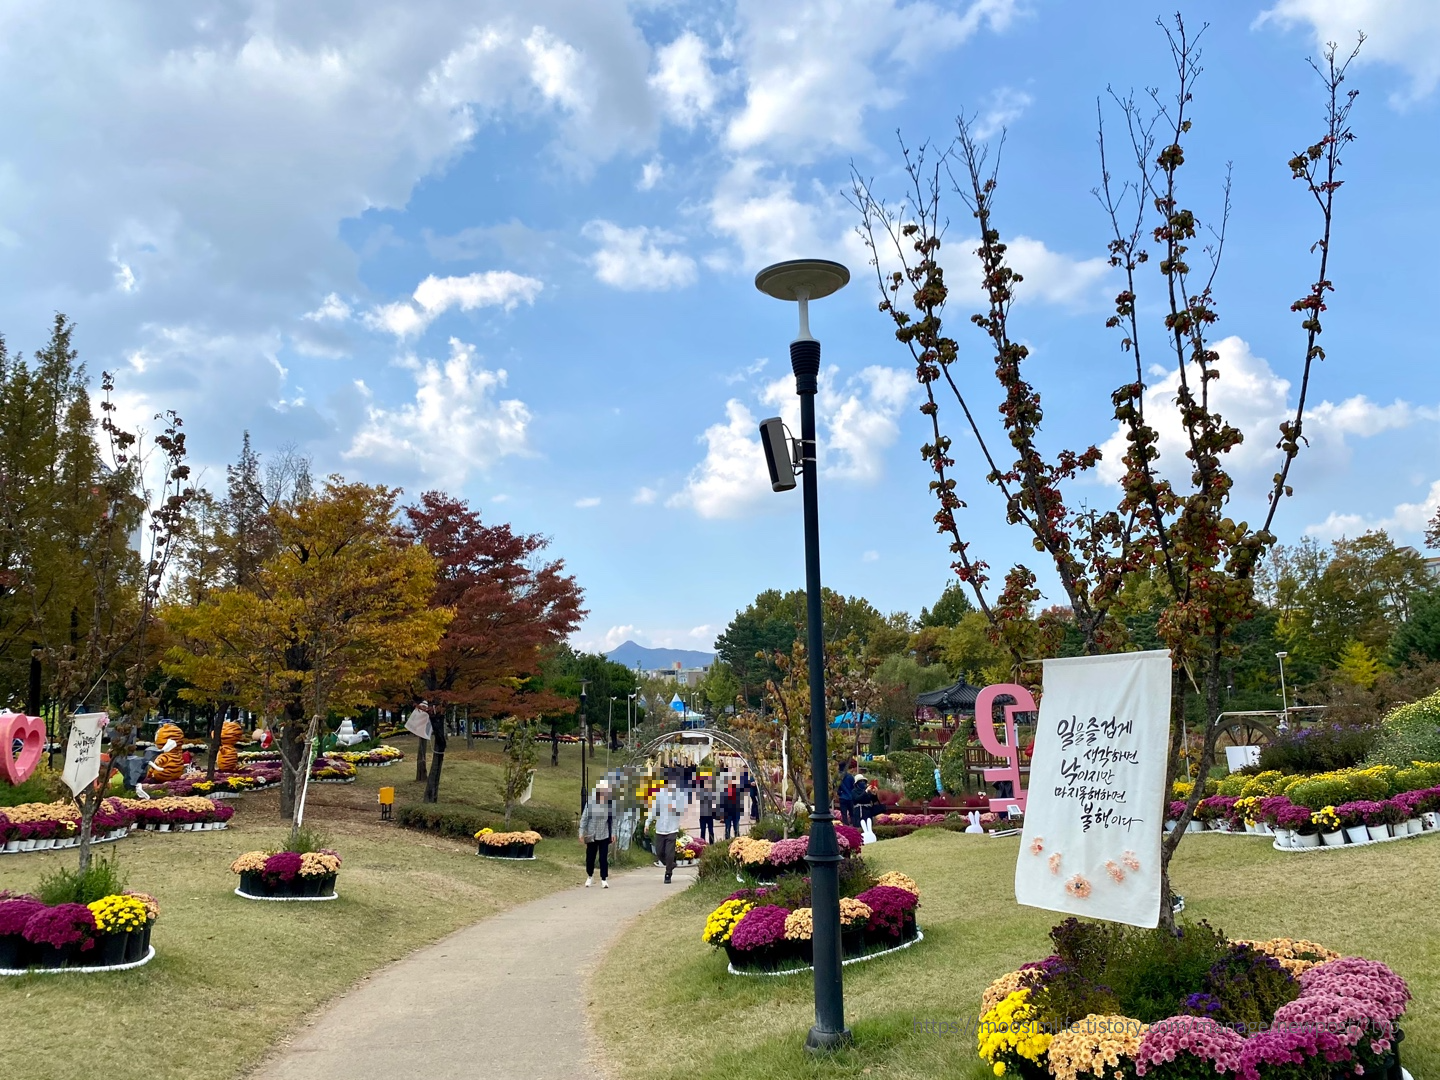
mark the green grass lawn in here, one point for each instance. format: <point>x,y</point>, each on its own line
<point>232,976</point>
<point>669,1009</point>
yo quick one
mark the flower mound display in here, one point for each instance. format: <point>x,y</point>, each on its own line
<point>1191,1005</point>
<point>689,848</point>
<point>507,845</point>
<point>110,932</point>
<point>287,874</point>
<point>770,928</point>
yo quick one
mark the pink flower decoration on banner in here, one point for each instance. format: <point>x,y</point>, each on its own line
<point>1078,886</point>
<point>1055,863</point>
<point>1130,860</point>
<point>1113,869</point>
<point>1037,845</point>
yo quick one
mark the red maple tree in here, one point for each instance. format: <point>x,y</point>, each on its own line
<point>510,605</point>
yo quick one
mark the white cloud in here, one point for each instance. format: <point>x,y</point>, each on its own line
<point>1050,276</point>
<point>635,260</point>
<point>765,219</point>
<point>1002,108</point>
<point>857,421</point>
<point>1405,518</point>
<point>215,155</point>
<point>1405,33</point>
<point>588,502</point>
<point>870,556</point>
<point>813,70</point>
<point>644,496</point>
<point>732,477</point>
<point>683,79</point>
<point>331,309</point>
<point>454,426</point>
<point>435,295</point>
<point>1252,398</point>
<point>705,631</point>
<point>651,173</point>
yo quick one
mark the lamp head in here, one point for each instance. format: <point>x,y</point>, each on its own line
<point>802,280</point>
<point>1282,655</point>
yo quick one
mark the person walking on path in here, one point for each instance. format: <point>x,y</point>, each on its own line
<point>597,829</point>
<point>730,807</point>
<point>707,809</point>
<point>846,790</point>
<point>665,813</point>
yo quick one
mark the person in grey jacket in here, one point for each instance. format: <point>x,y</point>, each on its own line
<point>665,812</point>
<point>597,829</point>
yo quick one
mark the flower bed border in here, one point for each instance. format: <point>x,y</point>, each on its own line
<point>81,970</point>
<point>508,858</point>
<point>919,937</point>
<point>110,839</point>
<point>283,899</point>
<point>1352,844</point>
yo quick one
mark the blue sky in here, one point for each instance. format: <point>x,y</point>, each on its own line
<point>507,249</point>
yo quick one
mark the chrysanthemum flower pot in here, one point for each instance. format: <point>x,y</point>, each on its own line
<point>14,951</point>
<point>852,941</point>
<point>137,942</point>
<point>109,950</point>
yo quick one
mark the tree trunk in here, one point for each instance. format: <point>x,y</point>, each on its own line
<point>469,731</point>
<point>590,740</point>
<point>554,741</point>
<point>290,740</point>
<point>217,719</point>
<point>33,695</point>
<point>421,745</point>
<point>437,761</point>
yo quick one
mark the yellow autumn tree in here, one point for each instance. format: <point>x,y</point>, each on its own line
<point>339,612</point>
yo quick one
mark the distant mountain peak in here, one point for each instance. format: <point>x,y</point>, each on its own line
<point>630,654</point>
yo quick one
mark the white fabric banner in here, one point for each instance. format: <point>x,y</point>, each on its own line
<point>82,753</point>
<point>419,724</point>
<point>1091,842</point>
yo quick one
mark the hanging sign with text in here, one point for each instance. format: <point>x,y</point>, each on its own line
<point>82,753</point>
<point>1091,842</point>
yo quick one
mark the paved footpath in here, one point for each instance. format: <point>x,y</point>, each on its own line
<point>503,999</point>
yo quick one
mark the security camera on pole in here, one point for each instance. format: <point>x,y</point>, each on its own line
<point>803,280</point>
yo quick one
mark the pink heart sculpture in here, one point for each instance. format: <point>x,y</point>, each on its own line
<point>30,730</point>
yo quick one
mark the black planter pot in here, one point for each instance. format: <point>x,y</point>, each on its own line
<point>1029,1070</point>
<point>250,883</point>
<point>782,954</point>
<point>309,884</point>
<point>135,944</point>
<point>806,950</point>
<point>327,885</point>
<point>54,956</point>
<point>907,930</point>
<point>14,951</point>
<point>852,942</point>
<point>109,950</point>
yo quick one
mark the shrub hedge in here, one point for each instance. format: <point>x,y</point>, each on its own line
<point>464,821</point>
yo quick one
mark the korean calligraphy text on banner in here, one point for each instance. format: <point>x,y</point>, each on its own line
<point>1091,842</point>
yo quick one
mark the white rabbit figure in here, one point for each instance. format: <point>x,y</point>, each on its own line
<point>974,818</point>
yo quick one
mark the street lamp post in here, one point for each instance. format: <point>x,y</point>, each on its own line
<point>803,280</point>
<point>1284,724</point>
<point>584,733</point>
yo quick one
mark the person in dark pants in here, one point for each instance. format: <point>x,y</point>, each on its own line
<point>597,829</point>
<point>707,809</point>
<point>665,813</point>
<point>846,793</point>
<point>730,807</point>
